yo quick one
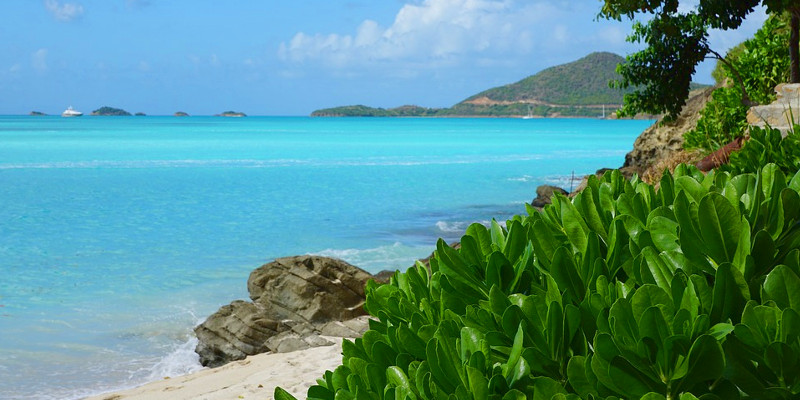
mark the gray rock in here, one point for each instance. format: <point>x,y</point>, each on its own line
<point>544,193</point>
<point>309,288</point>
<point>665,138</point>
<point>295,300</point>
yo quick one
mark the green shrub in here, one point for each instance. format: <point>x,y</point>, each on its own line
<point>722,120</point>
<point>761,63</point>
<point>767,146</point>
<point>691,291</point>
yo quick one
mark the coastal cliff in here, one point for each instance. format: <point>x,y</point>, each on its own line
<point>664,139</point>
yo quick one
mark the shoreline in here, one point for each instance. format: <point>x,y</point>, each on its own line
<point>254,377</point>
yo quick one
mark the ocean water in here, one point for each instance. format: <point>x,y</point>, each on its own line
<point>119,235</point>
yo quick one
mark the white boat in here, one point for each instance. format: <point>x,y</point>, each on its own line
<point>530,115</point>
<point>69,112</point>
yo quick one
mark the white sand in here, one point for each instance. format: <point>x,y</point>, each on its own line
<point>252,378</point>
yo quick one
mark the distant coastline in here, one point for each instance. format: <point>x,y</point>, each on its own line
<point>579,89</point>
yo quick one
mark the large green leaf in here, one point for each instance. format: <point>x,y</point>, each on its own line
<point>706,361</point>
<point>651,296</point>
<point>482,237</point>
<point>720,226</point>
<point>691,187</point>
<point>574,226</point>
<point>498,236</point>
<point>281,394</point>
<point>580,382</point>
<point>730,292</point>
<point>565,272</point>
<point>783,286</point>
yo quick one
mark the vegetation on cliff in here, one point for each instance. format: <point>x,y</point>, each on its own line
<point>110,111</point>
<point>677,40</point>
<point>578,83</point>
<point>760,64</point>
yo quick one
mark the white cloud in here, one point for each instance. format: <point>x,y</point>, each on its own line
<point>15,68</point>
<point>440,31</point>
<point>64,12</point>
<point>39,60</point>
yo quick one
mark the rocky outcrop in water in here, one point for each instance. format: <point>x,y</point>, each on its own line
<point>296,303</point>
<point>544,193</point>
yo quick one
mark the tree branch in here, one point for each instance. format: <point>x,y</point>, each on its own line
<point>745,98</point>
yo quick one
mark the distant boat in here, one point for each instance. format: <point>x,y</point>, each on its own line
<point>530,114</point>
<point>69,112</point>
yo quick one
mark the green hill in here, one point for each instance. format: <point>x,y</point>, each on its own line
<point>576,89</point>
<point>579,83</point>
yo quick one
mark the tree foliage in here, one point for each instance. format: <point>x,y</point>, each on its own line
<point>677,41</point>
<point>760,63</point>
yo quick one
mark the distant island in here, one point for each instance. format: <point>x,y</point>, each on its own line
<point>576,89</point>
<point>231,114</point>
<point>37,114</point>
<point>180,114</point>
<point>140,114</point>
<point>110,112</point>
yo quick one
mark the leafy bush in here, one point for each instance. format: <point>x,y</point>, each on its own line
<point>722,120</point>
<point>761,63</point>
<point>767,146</point>
<point>624,292</point>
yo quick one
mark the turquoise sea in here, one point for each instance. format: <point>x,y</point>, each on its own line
<point>119,234</point>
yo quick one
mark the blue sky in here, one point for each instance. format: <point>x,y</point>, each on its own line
<point>290,57</point>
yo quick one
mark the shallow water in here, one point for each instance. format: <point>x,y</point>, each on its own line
<point>118,235</point>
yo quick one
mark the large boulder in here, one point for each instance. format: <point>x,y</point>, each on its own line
<point>544,193</point>
<point>781,114</point>
<point>296,303</point>
<point>309,288</point>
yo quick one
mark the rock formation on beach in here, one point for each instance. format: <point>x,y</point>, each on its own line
<point>544,193</point>
<point>296,301</point>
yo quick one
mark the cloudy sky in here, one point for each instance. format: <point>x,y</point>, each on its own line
<point>290,57</point>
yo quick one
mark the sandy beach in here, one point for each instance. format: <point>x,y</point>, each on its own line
<point>252,378</point>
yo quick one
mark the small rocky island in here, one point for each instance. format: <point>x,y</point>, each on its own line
<point>110,112</point>
<point>140,114</point>
<point>180,114</point>
<point>231,114</point>
<point>37,114</point>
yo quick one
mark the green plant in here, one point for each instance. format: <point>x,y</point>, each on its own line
<point>760,63</point>
<point>722,120</point>
<point>691,291</point>
<point>767,145</point>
